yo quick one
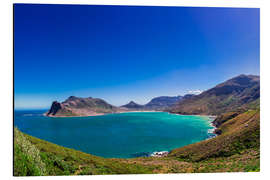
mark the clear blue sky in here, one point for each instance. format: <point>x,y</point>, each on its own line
<point>122,53</point>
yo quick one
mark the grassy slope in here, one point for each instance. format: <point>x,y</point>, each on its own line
<point>58,160</point>
<point>236,149</point>
<point>238,134</point>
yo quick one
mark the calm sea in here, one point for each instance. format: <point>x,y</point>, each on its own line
<point>122,135</point>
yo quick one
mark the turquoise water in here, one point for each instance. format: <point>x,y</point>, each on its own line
<point>122,135</point>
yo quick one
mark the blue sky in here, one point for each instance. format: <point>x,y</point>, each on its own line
<point>123,53</point>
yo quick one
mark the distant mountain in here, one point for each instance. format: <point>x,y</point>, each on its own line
<point>187,96</point>
<point>157,103</point>
<point>133,105</point>
<point>240,92</point>
<point>76,106</point>
<point>162,102</point>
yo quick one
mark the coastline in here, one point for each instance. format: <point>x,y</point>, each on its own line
<point>211,117</point>
<point>164,153</point>
<point>212,131</point>
<point>72,116</point>
<point>98,114</point>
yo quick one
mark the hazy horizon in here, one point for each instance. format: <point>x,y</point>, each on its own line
<point>124,53</point>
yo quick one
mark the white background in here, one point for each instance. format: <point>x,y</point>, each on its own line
<point>6,85</point>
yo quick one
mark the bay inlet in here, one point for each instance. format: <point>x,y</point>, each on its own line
<point>123,135</point>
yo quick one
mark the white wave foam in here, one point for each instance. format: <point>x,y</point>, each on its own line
<point>159,153</point>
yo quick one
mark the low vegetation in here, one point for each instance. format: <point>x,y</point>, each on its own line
<point>35,157</point>
<point>236,149</point>
<point>237,135</point>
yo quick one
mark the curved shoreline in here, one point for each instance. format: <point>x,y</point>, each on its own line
<point>97,114</point>
<point>210,119</point>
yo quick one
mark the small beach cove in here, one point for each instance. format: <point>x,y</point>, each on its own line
<point>119,135</point>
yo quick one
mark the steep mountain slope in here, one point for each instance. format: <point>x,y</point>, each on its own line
<point>162,102</point>
<point>75,106</point>
<point>240,92</point>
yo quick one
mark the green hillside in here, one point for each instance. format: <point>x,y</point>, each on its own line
<point>236,149</point>
<point>237,135</point>
<point>35,157</point>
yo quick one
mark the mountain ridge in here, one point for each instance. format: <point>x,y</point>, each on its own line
<point>162,102</point>
<point>133,105</point>
<point>236,93</point>
<point>236,148</point>
<point>76,106</point>
<point>240,92</point>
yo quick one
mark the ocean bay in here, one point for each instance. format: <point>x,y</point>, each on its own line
<point>122,135</point>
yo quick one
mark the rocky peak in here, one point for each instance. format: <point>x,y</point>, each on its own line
<point>132,104</point>
<point>54,108</point>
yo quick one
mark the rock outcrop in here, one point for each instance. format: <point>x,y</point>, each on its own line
<point>56,106</point>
